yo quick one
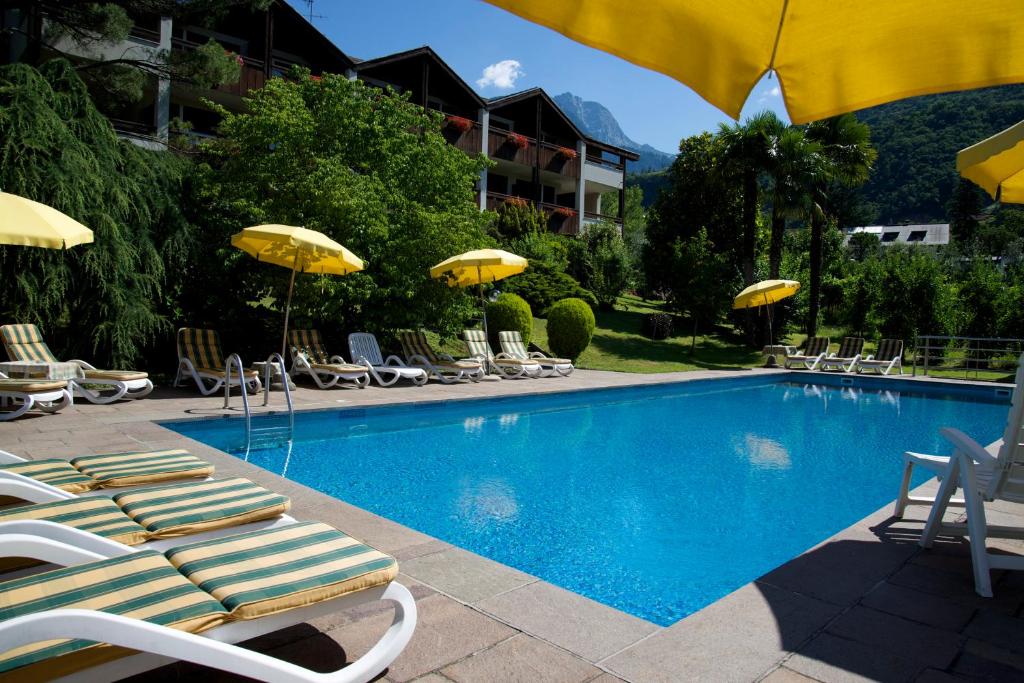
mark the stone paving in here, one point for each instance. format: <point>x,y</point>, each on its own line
<point>867,604</point>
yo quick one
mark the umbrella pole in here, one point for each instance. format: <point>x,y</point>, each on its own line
<point>288,307</point>
<point>483,307</point>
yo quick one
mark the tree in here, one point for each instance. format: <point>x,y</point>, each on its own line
<point>703,281</point>
<point>845,160</point>
<point>101,300</point>
<point>604,268</point>
<point>74,28</point>
<point>964,209</point>
<point>793,166</point>
<point>863,245</point>
<point>370,170</point>
<point>634,223</point>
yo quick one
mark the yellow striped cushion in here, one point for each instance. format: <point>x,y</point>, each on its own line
<point>32,386</point>
<point>264,572</point>
<point>24,342</point>
<point>116,375</point>
<point>148,467</point>
<point>182,509</point>
<point>96,514</point>
<point>52,471</point>
<point>309,343</point>
<point>140,585</point>
<point>339,368</point>
<point>202,347</point>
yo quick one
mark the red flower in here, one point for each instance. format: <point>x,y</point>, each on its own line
<point>459,123</point>
<point>313,78</point>
<point>518,140</point>
<point>567,152</point>
<point>517,202</point>
<point>564,211</point>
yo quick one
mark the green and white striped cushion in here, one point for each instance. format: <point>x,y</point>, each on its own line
<point>182,509</point>
<point>270,571</point>
<point>476,342</point>
<point>95,514</point>
<point>414,343</point>
<point>202,347</point>
<point>141,585</point>
<point>309,343</point>
<point>24,342</point>
<point>52,471</point>
<point>850,347</point>
<point>148,467</point>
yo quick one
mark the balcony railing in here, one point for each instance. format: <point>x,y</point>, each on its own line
<point>252,76</point>
<point>559,159</point>
<point>606,163</point>
<point>561,219</point>
<point>501,145</point>
<point>595,217</point>
<point>469,141</point>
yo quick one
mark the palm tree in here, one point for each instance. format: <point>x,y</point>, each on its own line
<point>795,166</point>
<point>846,158</point>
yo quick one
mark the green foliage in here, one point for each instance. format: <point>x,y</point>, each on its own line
<point>370,170</point>
<point>515,220</point>
<point>704,281</point>
<point>542,285</point>
<point>980,298</point>
<point>99,300</point>
<point>634,226</point>
<point>917,141</point>
<point>509,312</point>
<point>570,327</point>
<point>207,66</point>
<point>600,262</point>
<point>546,247</point>
<point>916,296</point>
<point>862,296</point>
<point>863,244</point>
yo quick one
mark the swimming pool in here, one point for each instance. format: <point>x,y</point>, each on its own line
<point>655,500</point>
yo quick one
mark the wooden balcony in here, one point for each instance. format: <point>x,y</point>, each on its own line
<point>594,217</point>
<point>501,145</point>
<point>559,159</point>
<point>606,163</point>
<point>468,140</point>
<point>561,219</point>
<point>252,77</point>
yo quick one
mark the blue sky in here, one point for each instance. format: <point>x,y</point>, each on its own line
<point>471,35</point>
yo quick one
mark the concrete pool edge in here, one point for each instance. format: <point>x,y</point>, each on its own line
<point>748,633</point>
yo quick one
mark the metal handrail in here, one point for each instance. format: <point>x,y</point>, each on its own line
<point>973,352</point>
<point>279,360</point>
<point>235,359</point>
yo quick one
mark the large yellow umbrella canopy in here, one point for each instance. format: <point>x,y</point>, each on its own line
<point>765,292</point>
<point>26,223</point>
<point>300,250</point>
<point>479,266</point>
<point>997,164</point>
<point>829,57</point>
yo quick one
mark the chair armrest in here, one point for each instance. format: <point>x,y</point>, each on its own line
<point>446,356</point>
<point>417,359</point>
<point>337,359</point>
<point>394,361</point>
<point>967,445</point>
<point>536,354</point>
<point>82,364</point>
<point>870,356</point>
<point>505,356</point>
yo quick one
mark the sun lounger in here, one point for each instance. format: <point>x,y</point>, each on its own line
<point>25,343</point>
<point>888,356</point>
<point>365,351</point>
<point>21,396</point>
<point>309,357</point>
<point>510,368</point>
<point>512,346</point>
<point>419,353</point>
<point>846,358</point>
<point>109,471</point>
<point>114,611</point>
<point>814,351</point>
<point>200,357</point>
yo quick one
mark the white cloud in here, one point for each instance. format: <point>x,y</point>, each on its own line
<point>501,75</point>
<point>769,94</point>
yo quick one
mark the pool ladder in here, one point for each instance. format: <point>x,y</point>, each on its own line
<point>261,437</point>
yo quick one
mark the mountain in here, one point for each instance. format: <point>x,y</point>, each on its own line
<point>917,140</point>
<point>594,119</point>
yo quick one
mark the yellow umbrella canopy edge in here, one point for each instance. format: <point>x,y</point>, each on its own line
<point>829,57</point>
<point>997,164</point>
<point>27,223</point>
<point>765,292</point>
<point>478,267</point>
<point>296,248</point>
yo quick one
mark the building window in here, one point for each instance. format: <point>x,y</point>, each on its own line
<point>890,236</point>
<point>917,235</point>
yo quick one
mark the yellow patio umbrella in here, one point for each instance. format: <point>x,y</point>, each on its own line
<point>829,57</point>
<point>477,267</point>
<point>301,250</point>
<point>765,293</point>
<point>26,223</point>
<point>997,164</point>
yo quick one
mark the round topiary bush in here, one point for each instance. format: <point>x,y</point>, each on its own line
<point>570,327</point>
<point>509,312</point>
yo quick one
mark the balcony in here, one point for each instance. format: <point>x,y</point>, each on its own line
<point>252,77</point>
<point>561,219</point>
<point>464,134</point>
<point>590,217</point>
<point>513,147</point>
<point>559,159</point>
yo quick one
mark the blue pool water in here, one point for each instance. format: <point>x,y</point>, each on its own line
<point>654,500</point>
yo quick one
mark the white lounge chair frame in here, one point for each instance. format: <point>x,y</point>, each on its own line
<point>46,401</point>
<point>445,375</point>
<point>216,382</point>
<point>983,477</point>
<point>809,361</point>
<point>511,350</point>
<point>884,365</point>
<point>846,363</point>
<point>365,351</point>
<point>159,645</point>
<point>325,379</point>
<point>493,362</point>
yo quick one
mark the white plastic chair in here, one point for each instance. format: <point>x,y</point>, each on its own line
<point>365,351</point>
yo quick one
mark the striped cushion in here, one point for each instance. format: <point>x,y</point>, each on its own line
<point>202,347</point>
<point>816,346</point>
<point>116,375</point>
<point>850,347</point>
<point>150,467</point>
<point>414,343</point>
<point>338,368</point>
<point>96,514</point>
<point>52,471</point>
<point>141,585</point>
<point>264,572</point>
<point>31,386</point>
<point>309,343</point>
<point>889,349</point>
<point>182,509</point>
<point>24,342</point>
<point>477,344</point>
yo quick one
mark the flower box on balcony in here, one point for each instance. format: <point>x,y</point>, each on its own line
<point>458,123</point>
<point>517,140</point>
<point>563,211</point>
<point>517,202</point>
<point>567,152</point>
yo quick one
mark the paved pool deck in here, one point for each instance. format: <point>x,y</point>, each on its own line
<point>866,604</point>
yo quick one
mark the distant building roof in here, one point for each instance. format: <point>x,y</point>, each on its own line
<point>929,234</point>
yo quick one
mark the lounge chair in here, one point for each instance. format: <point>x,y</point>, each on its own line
<point>199,357</point>
<point>512,346</point>
<point>984,476</point>
<point>419,353</point>
<point>510,368</point>
<point>22,395</point>
<point>114,611</point>
<point>309,357</point>
<point>846,358</point>
<point>365,351</point>
<point>888,356</point>
<point>814,351</point>
<point>25,343</point>
<point>108,471</point>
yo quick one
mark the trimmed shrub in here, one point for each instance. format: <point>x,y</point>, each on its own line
<point>542,285</point>
<point>657,326</point>
<point>509,312</point>
<point>570,327</point>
